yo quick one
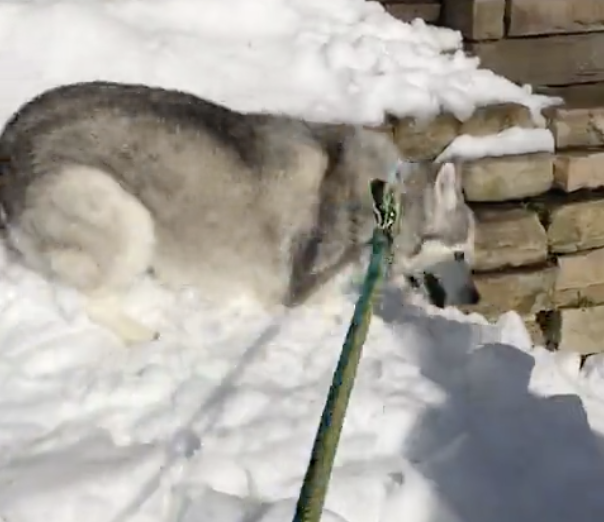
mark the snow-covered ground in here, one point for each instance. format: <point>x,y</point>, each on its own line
<point>451,419</point>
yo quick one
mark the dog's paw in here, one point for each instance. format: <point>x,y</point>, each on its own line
<point>132,332</point>
<point>107,314</point>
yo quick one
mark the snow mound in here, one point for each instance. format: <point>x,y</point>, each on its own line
<point>342,60</point>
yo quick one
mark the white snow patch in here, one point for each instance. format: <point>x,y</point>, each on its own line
<point>515,140</point>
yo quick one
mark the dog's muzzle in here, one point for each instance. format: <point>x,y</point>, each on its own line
<point>450,283</point>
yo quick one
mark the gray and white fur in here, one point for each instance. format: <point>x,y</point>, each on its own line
<point>103,182</point>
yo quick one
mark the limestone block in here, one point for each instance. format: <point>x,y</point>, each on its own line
<point>576,226</point>
<point>427,10</point>
<point>508,177</point>
<point>580,121</point>
<point>580,279</point>
<point>476,19</point>
<point>509,238</point>
<point>492,119</point>
<point>533,17</point>
<point>424,140</point>
<point>524,291</point>
<point>552,60</point>
<point>581,330</point>
<point>579,170</point>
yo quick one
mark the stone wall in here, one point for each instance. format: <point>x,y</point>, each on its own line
<point>540,219</point>
<point>540,241</point>
<point>551,244</point>
<point>539,42</point>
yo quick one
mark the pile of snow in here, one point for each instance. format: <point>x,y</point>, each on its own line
<point>514,140</point>
<point>451,419</point>
<point>345,60</point>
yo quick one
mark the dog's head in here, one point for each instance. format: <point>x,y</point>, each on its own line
<point>434,248</point>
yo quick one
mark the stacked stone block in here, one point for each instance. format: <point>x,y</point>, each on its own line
<point>538,42</point>
<point>540,218</point>
<point>543,240</point>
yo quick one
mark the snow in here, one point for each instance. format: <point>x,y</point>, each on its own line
<point>344,60</point>
<point>514,140</point>
<point>452,419</point>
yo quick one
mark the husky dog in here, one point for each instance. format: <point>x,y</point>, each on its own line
<point>102,182</point>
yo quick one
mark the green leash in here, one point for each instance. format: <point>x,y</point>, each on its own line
<point>314,488</point>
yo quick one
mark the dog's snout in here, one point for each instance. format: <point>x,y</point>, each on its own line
<point>468,296</point>
<point>450,283</point>
<point>473,296</point>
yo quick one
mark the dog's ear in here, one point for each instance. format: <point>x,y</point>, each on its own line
<point>447,189</point>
